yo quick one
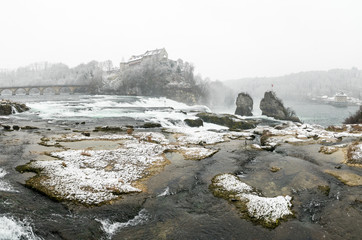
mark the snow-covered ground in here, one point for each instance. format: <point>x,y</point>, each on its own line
<point>295,133</point>
<point>93,177</point>
<point>357,153</point>
<point>96,176</point>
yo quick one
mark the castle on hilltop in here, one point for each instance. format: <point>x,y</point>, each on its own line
<point>157,54</point>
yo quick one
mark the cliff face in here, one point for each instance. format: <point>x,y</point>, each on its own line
<point>272,106</point>
<point>244,105</point>
<point>167,78</point>
<point>185,95</point>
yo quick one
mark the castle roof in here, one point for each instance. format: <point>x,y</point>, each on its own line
<point>146,54</point>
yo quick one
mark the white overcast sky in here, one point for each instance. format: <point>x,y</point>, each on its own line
<point>224,39</point>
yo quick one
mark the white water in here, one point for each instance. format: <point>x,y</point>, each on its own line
<point>14,110</point>
<point>160,110</point>
<point>166,192</point>
<point>4,185</point>
<point>11,228</point>
<point>112,228</point>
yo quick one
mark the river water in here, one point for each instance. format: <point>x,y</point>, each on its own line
<point>177,203</point>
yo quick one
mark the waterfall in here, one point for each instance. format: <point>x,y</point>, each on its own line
<point>14,110</point>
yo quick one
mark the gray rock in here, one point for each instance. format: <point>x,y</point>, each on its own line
<point>272,106</point>
<point>194,122</point>
<point>8,107</point>
<point>151,125</point>
<point>244,105</point>
<point>227,120</point>
<point>6,127</point>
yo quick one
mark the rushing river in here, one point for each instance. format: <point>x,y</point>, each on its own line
<point>144,108</point>
<point>178,203</point>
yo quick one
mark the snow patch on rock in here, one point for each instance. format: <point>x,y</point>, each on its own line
<point>267,210</point>
<point>357,153</point>
<point>196,153</point>
<point>93,177</point>
<point>232,184</point>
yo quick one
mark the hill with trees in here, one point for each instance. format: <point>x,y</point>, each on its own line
<point>303,85</point>
<point>151,77</point>
<point>43,73</point>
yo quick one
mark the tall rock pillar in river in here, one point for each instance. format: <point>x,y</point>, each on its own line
<point>244,105</point>
<point>272,106</point>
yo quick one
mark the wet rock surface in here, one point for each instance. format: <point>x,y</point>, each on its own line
<point>176,202</point>
<point>244,105</point>
<point>194,122</point>
<point>227,120</point>
<point>267,211</point>
<point>354,154</point>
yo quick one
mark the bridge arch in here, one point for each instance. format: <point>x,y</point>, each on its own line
<point>16,90</point>
<point>30,89</point>
<point>56,89</point>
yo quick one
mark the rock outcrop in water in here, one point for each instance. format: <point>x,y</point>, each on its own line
<point>272,106</point>
<point>7,107</point>
<point>194,122</point>
<point>244,105</point>
<point>263,210</point>
<point>227,120</point>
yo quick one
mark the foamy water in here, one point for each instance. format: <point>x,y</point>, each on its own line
<point>111,228</point>
<point>10,228</point>
<point>160,110</point>
<point>4,185</point>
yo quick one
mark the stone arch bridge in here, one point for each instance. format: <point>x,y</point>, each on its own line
<point>41,88</point>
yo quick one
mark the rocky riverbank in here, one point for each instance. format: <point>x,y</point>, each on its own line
<point>170,182</point>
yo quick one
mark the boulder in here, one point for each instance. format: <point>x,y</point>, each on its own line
<point>272,106</point>
<point>194,122</point>
<point>227,120</point>
<point>8,107</point>
<point>244,105</point>
<point>151,125</point>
